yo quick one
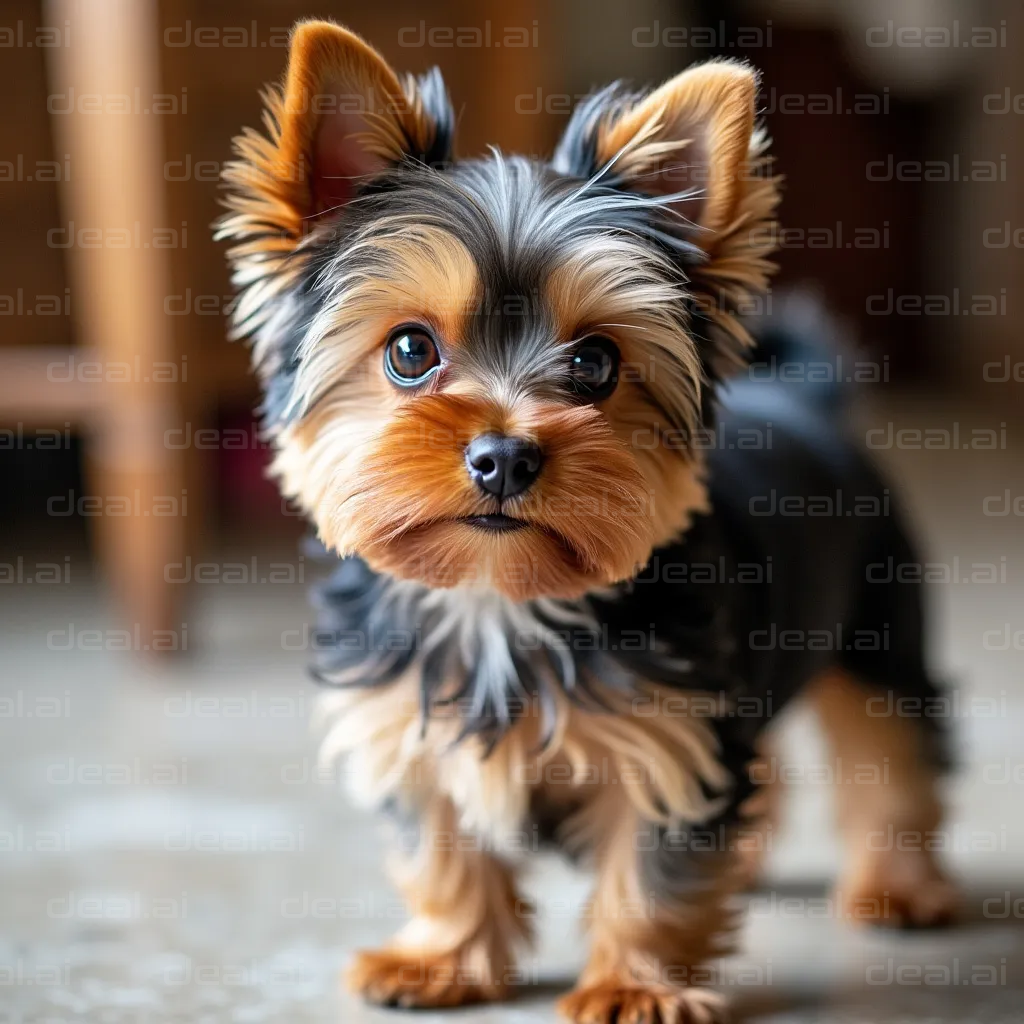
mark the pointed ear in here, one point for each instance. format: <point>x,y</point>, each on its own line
<point>691,134</point>
<point>342,116</point>
<point>694,133</point>
<point>347,113</point>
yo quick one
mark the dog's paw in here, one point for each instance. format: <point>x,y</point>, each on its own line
<point>901,890</point>
<point>408,978</point>
<point>613,1002</point>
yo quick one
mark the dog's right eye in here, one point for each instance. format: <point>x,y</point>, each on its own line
<point>595,368</point>
<point>411,356</point>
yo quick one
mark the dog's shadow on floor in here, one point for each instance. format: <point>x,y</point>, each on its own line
<point>993,907</point>
<point>749,1007</point>
<point>541,994</point>
<point>752,1007</point>
<point>989,905</point>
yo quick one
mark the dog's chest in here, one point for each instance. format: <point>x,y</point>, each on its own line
<point>525,790</point>
<point>520,715</point>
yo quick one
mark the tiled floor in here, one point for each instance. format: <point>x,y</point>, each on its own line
<point>168,852</point>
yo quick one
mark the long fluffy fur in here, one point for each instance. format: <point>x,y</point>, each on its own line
<point>507,672</point>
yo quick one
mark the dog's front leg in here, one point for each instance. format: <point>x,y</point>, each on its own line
<point>466,918</point>
<point>652,931</point>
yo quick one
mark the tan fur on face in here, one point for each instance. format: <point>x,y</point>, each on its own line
<point>615,289</point>
<point>421,275</point>
<point>589,517</point>
<point>425,276</point>
<point>383,473</point>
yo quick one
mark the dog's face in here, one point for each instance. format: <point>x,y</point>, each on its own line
<point>487,372</point>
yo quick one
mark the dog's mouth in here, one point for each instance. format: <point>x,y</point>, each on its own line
<point>523,557</point>
<point>496,522</point>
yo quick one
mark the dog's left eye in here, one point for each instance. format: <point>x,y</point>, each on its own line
<point>595,368</point>
<point>411,356</point>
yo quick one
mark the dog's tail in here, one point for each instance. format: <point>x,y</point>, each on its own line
<point>802,347</point>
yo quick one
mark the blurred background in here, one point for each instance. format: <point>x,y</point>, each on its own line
<point>163,814</point>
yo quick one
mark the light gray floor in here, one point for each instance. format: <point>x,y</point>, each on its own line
<point>168,853</point>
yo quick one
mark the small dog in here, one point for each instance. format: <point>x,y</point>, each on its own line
<point>560,611</point>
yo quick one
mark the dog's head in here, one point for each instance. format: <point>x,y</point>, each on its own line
<point>489,371</point>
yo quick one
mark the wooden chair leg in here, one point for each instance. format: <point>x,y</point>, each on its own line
<point>140,535</point>
<point>122,271</point>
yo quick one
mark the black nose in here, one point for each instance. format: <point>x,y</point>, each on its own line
<point>503,466</point>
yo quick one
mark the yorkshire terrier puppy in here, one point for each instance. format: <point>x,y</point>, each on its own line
<point>579,570</point>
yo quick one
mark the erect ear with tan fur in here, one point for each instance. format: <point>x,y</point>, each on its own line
<point>690,135</point>
<point>341,116</point>
<point>695,134</point>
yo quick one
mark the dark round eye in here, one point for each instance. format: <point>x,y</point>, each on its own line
<point>595,368</point>
<point>411,356</point>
